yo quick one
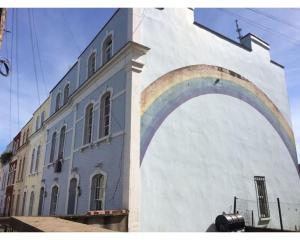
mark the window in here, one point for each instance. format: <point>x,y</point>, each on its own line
<point>22,172</point>
<point>105,115</point>
<point>17,205</point>
<point>31,202</point>
<point>72,196</point>
<point>41,201</point>
<point>42,118</point>
<point>88,124</point>
<point>92,64</point>
<point>52,151</point>
<point>37,123</point>
<point>20,169</point>
<point>97,192</point>
<point>66,93</point>
<point>107,49</point>
<point>37,161</point>
<point>27,134</point>
<point>32,161</point>
<point>57,103</point>
<point>262,197</point>
<point>53,202</point>
<point>61,142</point>
<point>23,204</point>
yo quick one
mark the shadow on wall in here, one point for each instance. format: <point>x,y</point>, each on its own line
<point>211,228</point>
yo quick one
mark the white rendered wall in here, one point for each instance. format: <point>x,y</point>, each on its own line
<point>206,152</point>
<point>210,148</point>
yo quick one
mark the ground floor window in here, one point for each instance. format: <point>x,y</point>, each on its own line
<point>23,204</point>
<point>31,202</point>
<point>262,197</point>
<point>97,192</point>
<point>41,201</point>
<point>72,196</point>
<point>17,205</point>
<point>53,202</point>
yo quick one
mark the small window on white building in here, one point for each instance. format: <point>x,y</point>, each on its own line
<point>88,123</point>
<point>66,93</point>
<point>105,115</point>
<point>92,64</point>
<point>52,151</point>
<point>97,192</point>
<point>53,202</point>
<point>31,202</point>
<point>23,204</point>
<point>262,197</point>
<point>42,118</point>
<point>37,160</point>
<point>61,142</point>
<point>107,49</point>
<point>32,161</point>
<point>37,123</point>
<point>57,102</point>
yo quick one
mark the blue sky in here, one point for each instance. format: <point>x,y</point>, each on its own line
<point>63,33</point>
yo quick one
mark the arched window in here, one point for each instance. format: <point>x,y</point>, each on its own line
<point>52,151</point>
<point>72,196</point>
<point>27,134</point>
<point>97,192</point>
<point>88,124</point>
<point>107,49</point>
<point>37,161</point>
<point>17,205</point>
<point>66,93</point>
<point>37,123</point>
<point>61,142</point>
<point>92,64</point>
<point>23,204</point>
<point>41,201</point>
<point>53,202</point>
<point>31,202</point>
<point>42,118</point>
<point>32,161</point>
<point>57,103</point>
<point>105,114</point>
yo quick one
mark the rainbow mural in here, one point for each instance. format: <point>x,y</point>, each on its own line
<point>165,94</point>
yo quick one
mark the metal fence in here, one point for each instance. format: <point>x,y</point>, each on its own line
<point>283,215</point>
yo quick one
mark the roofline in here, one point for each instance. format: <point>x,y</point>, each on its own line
<point>63,77</point>
<point>85,49</point>
<point>41,105</point>
<point>277,64</point>
<point>257,38</point>
<point>222,36</point>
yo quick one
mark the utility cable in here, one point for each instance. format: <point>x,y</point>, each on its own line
<point>11,68</point>
<point>32,48</point>
<point>38,53</point>
<point>17,69</point>
<point>262,27</point>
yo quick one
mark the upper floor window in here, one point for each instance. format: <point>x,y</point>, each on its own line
<point>105,114</point>
<point>32,161</point>
<point>23,204</point>
<point>66,93</point>
<point>42,118</point>
<point>37,161</point>
<point>88,123</point>
<point>107,49</point>
<point>92,64</point>
<point>61,142</point>
<point>52,151</point>
<point>27,134</point>
<point>57,103</point>
<point>41,201</point>
<point>262,197</point>
<point>37,123</point>
<point>97,192</point>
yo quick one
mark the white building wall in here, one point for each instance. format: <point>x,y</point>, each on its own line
<point>209,149</point>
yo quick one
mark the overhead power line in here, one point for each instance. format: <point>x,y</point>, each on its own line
<point>11,69</point>
<point>262,27</point>
<point>17,68</point>
<point>33,56</point>
<point>274,18</point>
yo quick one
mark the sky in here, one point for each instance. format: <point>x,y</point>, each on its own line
<point>60,35</point>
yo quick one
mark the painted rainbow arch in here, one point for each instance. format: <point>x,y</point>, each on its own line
<point>171,90</point>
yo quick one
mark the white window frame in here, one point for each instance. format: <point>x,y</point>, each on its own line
<point>57,103</point>
<point>66,100</point>
<point>56,199</point>
<point>96,172</point>
<point>84,124</point>
<point>108,34</point>
<point>87,63</point>
<point>59,144</point>
<point>53,147</point>
<point>100,136</point>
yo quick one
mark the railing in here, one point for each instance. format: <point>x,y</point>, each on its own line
<point>284,216</point>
